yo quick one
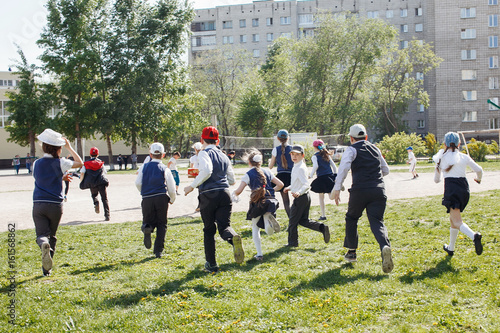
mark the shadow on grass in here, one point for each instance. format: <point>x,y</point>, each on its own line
<point>7,288</point>
<point>441,268</point>
<point>193,221</point>
<point>102,268</point>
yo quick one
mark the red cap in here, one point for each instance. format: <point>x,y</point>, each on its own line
<point>210,133</point>
<point>94,151</point>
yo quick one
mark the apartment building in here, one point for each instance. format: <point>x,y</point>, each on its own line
<point>464,33</point>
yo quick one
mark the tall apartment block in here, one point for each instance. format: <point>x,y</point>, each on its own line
<point>464,33</point>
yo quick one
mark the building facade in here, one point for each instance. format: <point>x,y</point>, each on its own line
<point>464,33</point>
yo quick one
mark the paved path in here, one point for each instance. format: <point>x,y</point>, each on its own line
<point>125,201</point>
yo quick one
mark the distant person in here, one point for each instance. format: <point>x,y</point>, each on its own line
<point>156,184</point>
<point>412,161</point>
<point>193,164</point>
<point>280,156</point>
<point>16,162</point>
<point>119,159</point>
<point>231,156</point>
<point>48,172</point>
<point>368,167</point>
<point>172,165</point>
<point>452,164</point>
<point>133,157</point>
<point>93,176</point>
<point>125,161</point>
<point>28,162</point>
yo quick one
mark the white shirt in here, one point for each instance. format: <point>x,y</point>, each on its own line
<point>206,168</point>
<point>194,161</point>
<point>411,157</point>
<point>169,180</point>
<point>314,159</point>
<point>460,161</point>
<point>345,165</point>
<point>172,164</point>
<point>299,183</point>
<point>66,164</point>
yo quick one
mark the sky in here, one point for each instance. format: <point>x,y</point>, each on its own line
<point>21,22</point>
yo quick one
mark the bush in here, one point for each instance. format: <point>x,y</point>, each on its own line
<point>394,147</point>
<point>431,145</point>
<point>478,149</point>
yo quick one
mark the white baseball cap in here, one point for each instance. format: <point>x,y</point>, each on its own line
<point>52,138</point>
<point>156,148</point>
<point>197,146</point>
<point>357,131</point>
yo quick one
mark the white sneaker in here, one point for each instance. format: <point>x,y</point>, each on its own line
<point>46,258</point>
<point>272,221</point>
<point>387,264</point>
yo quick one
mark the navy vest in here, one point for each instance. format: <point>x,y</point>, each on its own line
<point>153,179</point>
<point>289,161</point>
<point>255,182</point>
<point>48,180</point>
<point>218,178</point>
<point>366,167</point>
<point>324,167</point>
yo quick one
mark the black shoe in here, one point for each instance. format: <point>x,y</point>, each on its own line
<point>387,264</point>
<point>147,236</point>
<point>350,256</point>
<point>96,207</point>
<point>291,245</point>
<point>477,243</point>
<point>326,233</point>
<point>46,272</point>
<point>106,218</point>
<point>211,269</point>
<point>450,252</point>
<point>322,218</point>
<point>158,254</point>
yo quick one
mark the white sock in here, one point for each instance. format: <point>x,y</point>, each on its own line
<point>467,231</point>
<point>322,203</point>
<point>256,235</point>
<point>267,225</point>
<point>453,238</point>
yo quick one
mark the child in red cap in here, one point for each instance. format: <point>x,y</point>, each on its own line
<point>93,176</point>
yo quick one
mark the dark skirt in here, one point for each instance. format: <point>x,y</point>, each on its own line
<point>323,184</point>
<point>270,205</point>
<point>456,193</point>
<point>285,177</point>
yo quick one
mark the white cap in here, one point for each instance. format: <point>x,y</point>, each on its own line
<point>156,148</point>
<point>52,138</point>
<point>257,158</point>
<point>357,131</point>
<point>197,146</point>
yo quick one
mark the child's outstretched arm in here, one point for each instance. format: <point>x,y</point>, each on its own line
<point>77,163</point>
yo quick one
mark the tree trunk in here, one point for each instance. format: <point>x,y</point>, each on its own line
<point>32,144</point>
<point>110,153</point>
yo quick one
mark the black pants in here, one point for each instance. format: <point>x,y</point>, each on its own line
<point>101,189</point>
<point>47,217</point>
<point>374,201</point>
<point>299,215</point>
<point>154,215</point>
<point>215,210</point>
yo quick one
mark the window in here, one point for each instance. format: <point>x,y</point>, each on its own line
<point>227,24</point>
<point>493,82</point>
<point>269,21</point>
<point>419,76</point>
<point>243,23</point>
<point>469,74</point>
<point>284,20</point>
<point>286,34</point>
<point>492,107</point>
<point>420,123</point>
<point>255,22</point>
<point>469,116</point>
<point>403,44</point>
<point>492,2</point>
<point>418,11</point>
<point>493,20</point>
<point>419,27</point>
<point>404,27</point>
<point>306,19</point>
<point>203,26</point>
<point>469,95</point>
<point>493,41</point>
<point>255,38</point>
<point>404,12</point>
<point>493,62</point>
<point>468,54</point>
<point>203,41</point>
<point>468,34</point>
<point>256,53</point>
<point>467,12</point>
<point>270,37</point>
<point>227,40</point>
<point>243,38</point>
<point>389,14</point>
<point>372,14</point>
<point>421,108</point>
<point>493,123</point>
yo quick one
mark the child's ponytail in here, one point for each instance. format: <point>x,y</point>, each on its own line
<point>284,162</point>
<point>452,147</point>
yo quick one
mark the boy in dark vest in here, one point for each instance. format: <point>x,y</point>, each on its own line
<point>93,176</point>
<point>215,176</point>
<point>157,186</point>
<point>368,168</point>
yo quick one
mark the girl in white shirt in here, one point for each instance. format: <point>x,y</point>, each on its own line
<point>451,163</point>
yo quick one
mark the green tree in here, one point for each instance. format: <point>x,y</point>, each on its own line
<point>394,147</point>
<point>478,149</point>
<point>431,145</point>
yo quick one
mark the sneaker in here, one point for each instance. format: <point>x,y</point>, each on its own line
<point>350,256</point>
<point>46,272</point>
<point>96,207</point>
<point>322,218</point>
<point>274,224</point>
<point>46,257</point>
<point>147,237</point>
<point>291,245</point>
<point>106,218</point>
<point>239,254</point>
<point>158,255</point>
<point>259,258</point>
<point>326,234</point>
<point>65,198</point>
<point>211,269</point>
<point>450,252</point>
<point>387,264</point>
<point>477,243</point>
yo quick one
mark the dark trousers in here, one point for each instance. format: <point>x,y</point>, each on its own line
<point>215,210</point>
<point>299,215</point>
<point>374,201</point>
<point>47,217</point>
<point>101,189</point>
<point>154,215</point>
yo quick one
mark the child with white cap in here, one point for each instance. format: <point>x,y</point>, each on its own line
<point>412,161</point>
<point>48,172</point>
<point>157,186</point>
<point>451,163</point>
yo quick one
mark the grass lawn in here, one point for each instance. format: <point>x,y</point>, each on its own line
<point>104,280</point>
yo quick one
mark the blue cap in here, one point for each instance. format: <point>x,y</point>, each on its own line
<point>451,137</point>
<point>409,148</point>
<point>282,134</point>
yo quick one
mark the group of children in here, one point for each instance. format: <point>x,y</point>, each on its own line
<point>158,187</point>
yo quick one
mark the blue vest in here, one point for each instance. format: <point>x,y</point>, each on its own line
<point>256,183</point>
<point>366,167</point>
<point>48,180</point>
<point>153,179</point>
<point>218,178</point>
<point>289,161</point>
<point>324,167</point>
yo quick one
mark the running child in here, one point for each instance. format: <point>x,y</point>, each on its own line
<point>93,176</point>
<point>193,163</point>
<point>326,172</point>
<point>172,165</point>
<point>280,156</point>
<point>412,161</point>
<point>451,163</point>
<point>48,172</point>
<point>263,204</point>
